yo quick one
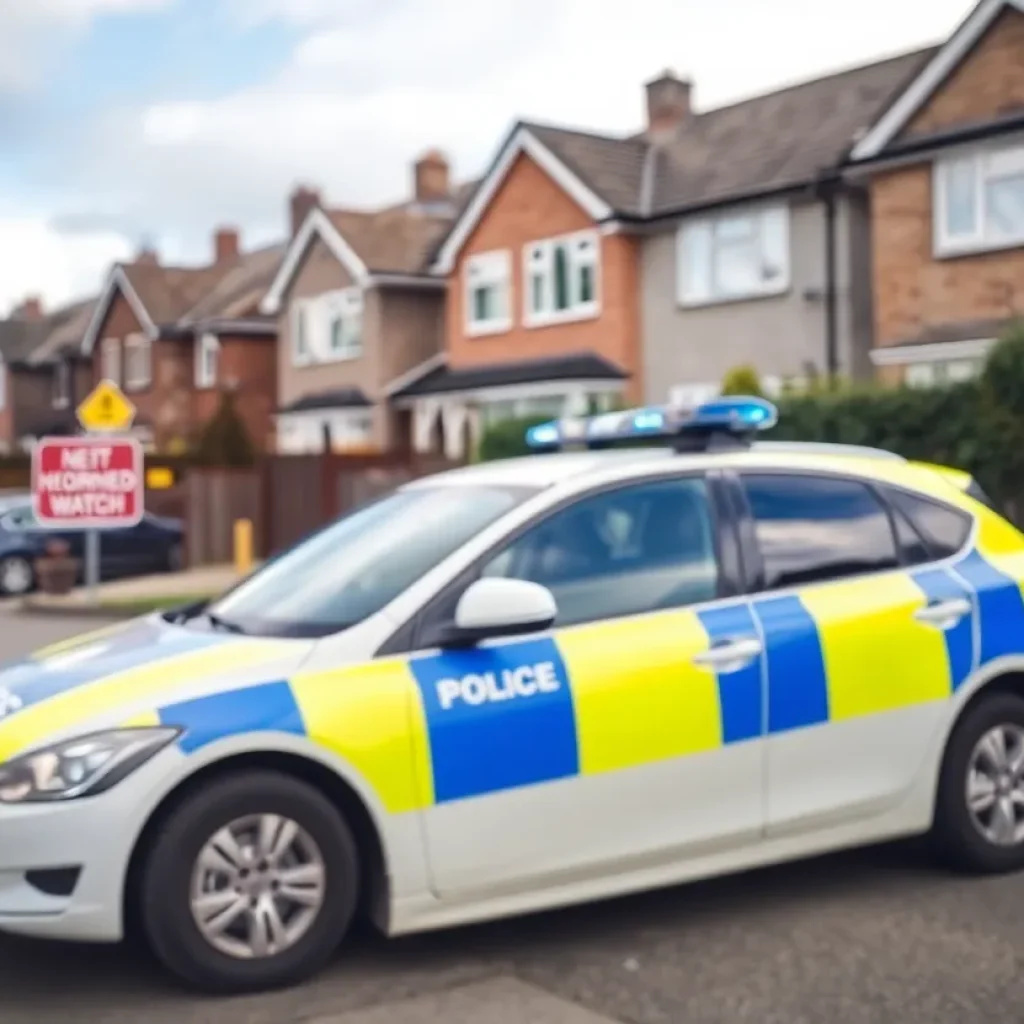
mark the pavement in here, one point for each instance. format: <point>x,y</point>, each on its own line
<point>866,937</point>
<point>200,582</point>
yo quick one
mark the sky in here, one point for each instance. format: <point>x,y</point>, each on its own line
<point>130,122</point>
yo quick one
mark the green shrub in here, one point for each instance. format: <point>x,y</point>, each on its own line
<point>224,440</point>
<point>742,380</point>
<point>507,439</point>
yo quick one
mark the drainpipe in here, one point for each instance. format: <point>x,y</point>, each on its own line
<point>826,190</point>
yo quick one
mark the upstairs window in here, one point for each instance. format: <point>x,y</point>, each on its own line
<point>344,323</point>
<point>737,255</point>
<point>3,385</point>
<point>61,385</point>
<point>207,359</point>
<point>488,283</point>
<point>979,201</point>
<point>301,351</point>
<point>138,362</point>
<point>110,360</point>
<point>562,278</point>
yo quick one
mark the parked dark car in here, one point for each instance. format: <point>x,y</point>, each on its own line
<point>154,545</point>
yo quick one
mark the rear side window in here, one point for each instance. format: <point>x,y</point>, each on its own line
<point>944,530</point>
<point>812,528</point>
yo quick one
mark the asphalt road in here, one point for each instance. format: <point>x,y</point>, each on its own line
<point>873,937</point>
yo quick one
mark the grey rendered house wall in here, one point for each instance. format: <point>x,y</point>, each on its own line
<point>779,335</point>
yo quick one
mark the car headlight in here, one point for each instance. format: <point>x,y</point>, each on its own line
<point>81,766</point>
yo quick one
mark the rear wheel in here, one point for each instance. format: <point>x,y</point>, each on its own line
<point>251,884</point>
<point>979,816</point>
<point>16,576</point>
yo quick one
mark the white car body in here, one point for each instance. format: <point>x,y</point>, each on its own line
<point>774,798</point>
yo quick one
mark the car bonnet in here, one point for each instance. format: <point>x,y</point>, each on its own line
<point>119,675</point>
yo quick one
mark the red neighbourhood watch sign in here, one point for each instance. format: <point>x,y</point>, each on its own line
<point>88,482</point>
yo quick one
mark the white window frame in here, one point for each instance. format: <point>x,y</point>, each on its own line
<point>706,231</point>
<point>986,163</point>
<point>3,384</point>
<point>61,384</point>
<point>343,308</point>
<point>489,270</point>
<point>110,360</point>
<point>301,315</point>
<point>138,348</point>
<point>584,250</point>
<point>207,367</point>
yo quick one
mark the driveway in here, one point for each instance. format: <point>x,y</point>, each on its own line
<point>871,937</point>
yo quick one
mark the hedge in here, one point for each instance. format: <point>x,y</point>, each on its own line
<point>976,425</point>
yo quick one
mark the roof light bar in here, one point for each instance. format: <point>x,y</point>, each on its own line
<point>735,418</point>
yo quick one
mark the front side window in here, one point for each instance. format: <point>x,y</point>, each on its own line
<point>815,528</point>
<point>138,362</point>
<point>980,200</point>
<point>488,287</point>
<point>637,549</point>
<point>739,255</point>
<point>352,568</point>
<point>562,278</point>
<point>19,519</point>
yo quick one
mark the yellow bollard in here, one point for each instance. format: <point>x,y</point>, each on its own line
<point>243,546</point>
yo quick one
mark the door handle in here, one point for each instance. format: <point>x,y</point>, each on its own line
<point>729,655</point>
<point>944,614</point>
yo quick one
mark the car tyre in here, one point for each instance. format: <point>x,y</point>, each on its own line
<point>175,558</point>
<point>17,577</point>
<point>168,883</point>
<point>971,831</point>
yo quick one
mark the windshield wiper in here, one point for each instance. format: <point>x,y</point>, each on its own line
<point>218,623</point>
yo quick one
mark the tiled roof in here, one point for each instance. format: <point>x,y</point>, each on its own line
<point>19,337</point>
<point>337,398</point>
<point>396,240</point>
<point>65,328</point>
<point>169,293</point>
<point>443,380</point>
<point>238,292</point>
<point>782,139</point>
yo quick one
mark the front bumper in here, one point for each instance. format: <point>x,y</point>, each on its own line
<point>92,836</point>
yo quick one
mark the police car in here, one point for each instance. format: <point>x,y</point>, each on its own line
<point>527,684</point>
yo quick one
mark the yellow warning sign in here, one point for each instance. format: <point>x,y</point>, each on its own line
<point>106,409</point>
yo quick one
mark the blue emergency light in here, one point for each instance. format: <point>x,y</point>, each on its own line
<point>728,420</point>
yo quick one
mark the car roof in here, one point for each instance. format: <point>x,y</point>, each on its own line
<point>547,469</point>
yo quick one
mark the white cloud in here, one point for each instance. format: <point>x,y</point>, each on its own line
<point>37,260</point>
<point>374,82</point>
<point>32,30</point>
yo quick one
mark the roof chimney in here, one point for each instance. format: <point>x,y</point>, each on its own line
<point>430,177</point>
<point>302,202</point>
<point>147,256</point>
<point>30,309</point>
<point>225,245</point>
<point>668,105</point>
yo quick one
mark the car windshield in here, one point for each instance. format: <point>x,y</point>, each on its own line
<point>352,568</point>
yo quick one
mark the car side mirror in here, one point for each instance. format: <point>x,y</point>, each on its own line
<point>494,607</point>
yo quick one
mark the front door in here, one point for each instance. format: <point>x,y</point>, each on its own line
<point>865,642</point>
<point>627,737</point>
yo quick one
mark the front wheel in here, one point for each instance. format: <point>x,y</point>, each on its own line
<point>251,884</point>
<point>979,814</point>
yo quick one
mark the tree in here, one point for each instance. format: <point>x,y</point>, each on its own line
<point>742,380</point>
<point>224,439</point>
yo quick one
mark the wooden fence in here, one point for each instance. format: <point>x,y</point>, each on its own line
<point>286,497</point>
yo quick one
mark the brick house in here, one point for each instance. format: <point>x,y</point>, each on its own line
<point>41,375</point>
<point>357,309</point>
<point>944,167</point>
<point>589,266</point>
<point>174,338</point>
